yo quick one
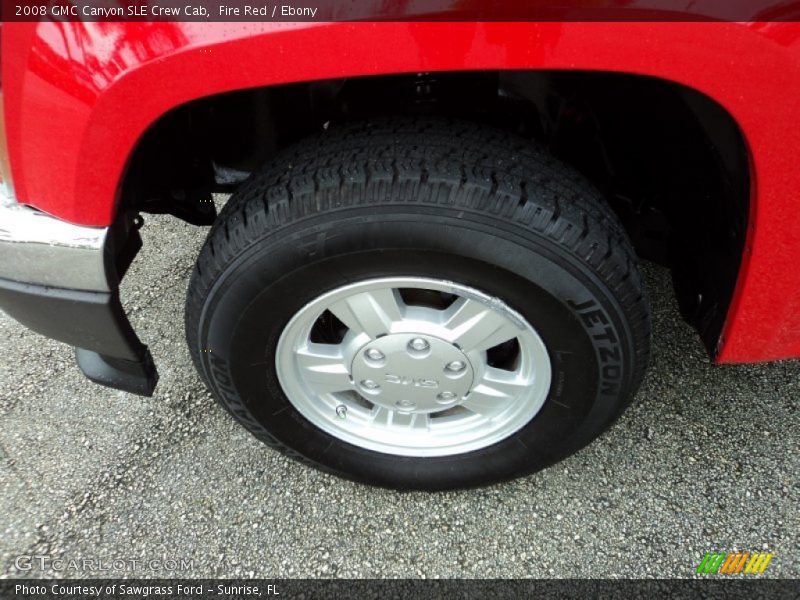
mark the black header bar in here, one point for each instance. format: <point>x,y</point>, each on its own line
<point>399,10</point>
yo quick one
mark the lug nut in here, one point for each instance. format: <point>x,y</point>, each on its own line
<point>456,366</point>
<point>405,406</point>
<point>446,397</point>
<point>374,354</point>
<point>418,344</point>
<point>369,384</point>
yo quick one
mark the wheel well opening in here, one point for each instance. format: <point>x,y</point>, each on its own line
<point>672,162</point>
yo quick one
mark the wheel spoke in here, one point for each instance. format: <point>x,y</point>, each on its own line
<point>370,312</point>
<point>380,416</point>
<point>322,366</point>
<point>475,326</point>
<point>493,391</point>
<point>419,422</point>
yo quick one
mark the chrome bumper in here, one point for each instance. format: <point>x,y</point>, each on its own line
<point>62,280</point>
<point>39,249</point>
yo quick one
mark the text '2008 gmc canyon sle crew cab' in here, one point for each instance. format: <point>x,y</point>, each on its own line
<point>427,273</point>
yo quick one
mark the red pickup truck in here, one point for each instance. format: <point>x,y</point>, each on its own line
<point>427,273</point>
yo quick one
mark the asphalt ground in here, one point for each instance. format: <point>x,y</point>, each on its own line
<point>705,460</point>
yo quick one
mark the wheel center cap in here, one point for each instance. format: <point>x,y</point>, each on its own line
<point>412,373</point>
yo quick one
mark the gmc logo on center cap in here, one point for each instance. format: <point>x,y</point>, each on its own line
<point>415,381</point>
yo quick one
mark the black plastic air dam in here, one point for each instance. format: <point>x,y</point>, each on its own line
<point>94,322</point>
<point>137,377</point>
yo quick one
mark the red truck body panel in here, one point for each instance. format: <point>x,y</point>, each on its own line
<point>80,95</point>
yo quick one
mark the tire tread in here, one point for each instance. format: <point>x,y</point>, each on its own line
<point>429,161</point>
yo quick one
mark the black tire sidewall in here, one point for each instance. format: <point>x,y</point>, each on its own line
<point>578,319</point>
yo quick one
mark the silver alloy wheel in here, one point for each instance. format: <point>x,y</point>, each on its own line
<point>410,379</point>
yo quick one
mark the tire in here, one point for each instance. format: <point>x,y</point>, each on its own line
<point>436,203</point>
